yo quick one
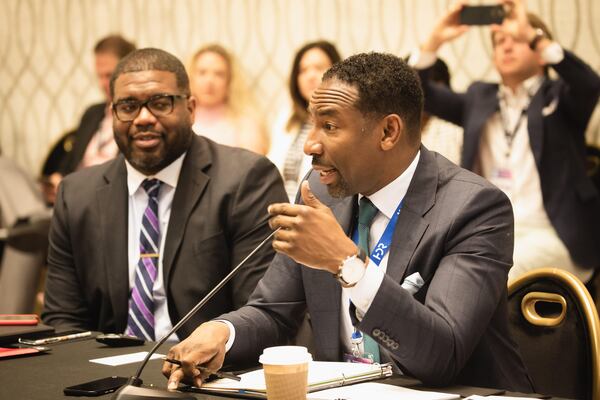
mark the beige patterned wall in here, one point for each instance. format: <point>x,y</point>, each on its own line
<point>46,62</point>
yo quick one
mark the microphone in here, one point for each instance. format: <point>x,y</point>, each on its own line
<point>133,389</point>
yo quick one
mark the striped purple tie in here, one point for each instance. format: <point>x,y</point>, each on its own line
<point>140,320</point>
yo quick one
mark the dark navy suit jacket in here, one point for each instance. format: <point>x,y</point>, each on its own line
<point>557,118</point>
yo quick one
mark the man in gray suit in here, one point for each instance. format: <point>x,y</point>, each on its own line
<point>435,303</point>
<point>137,241</point>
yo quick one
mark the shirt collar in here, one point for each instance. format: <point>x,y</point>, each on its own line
<point>388,197</point>
<point>525,91</point>
<point>168,175</point>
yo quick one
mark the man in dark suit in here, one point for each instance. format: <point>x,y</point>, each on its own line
<point>389,240</point>
<point>527,136</point>
<point>136,242</point>
<point>92,141</point>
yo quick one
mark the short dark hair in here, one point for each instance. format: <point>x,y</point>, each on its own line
<point>386,85</point>
<point>300,104</point>
<point>151,59</point>
<point>114,44</point>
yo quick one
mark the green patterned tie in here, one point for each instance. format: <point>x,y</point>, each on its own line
<point>366,213</point>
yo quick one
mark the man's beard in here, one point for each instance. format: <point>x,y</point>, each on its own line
<point>341,188</point>
<point>151,163</point>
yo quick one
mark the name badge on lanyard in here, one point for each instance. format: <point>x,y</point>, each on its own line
<point>359,355</point>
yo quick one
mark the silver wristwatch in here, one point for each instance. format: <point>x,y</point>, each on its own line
<point>352,269</point>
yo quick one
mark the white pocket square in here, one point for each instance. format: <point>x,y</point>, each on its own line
<point>413,283</point>
<point>550,108</point>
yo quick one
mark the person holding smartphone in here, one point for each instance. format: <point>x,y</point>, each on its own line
<point>526,135</point>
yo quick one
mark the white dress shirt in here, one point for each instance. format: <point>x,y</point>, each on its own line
<point>362,294</point>
<point>138,200</point>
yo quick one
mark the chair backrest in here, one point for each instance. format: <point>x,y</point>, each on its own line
<point>555,322</point>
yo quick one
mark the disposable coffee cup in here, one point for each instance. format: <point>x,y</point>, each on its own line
<point>286,372</point>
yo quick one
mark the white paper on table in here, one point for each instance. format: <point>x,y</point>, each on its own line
<point>125,358</point>
<point>381,391</point>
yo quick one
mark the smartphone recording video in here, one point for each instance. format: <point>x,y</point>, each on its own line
<point>482,15</point>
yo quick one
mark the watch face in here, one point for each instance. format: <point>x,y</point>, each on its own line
<point>353,270</point>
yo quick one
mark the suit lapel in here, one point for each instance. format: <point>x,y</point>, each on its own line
<point>411,225</point>
<point>487,105</point>
<point>345,212</point>
<point>113,210</point>
<point>190,186</point>
<point>324,291</point>
<point>535,126</point>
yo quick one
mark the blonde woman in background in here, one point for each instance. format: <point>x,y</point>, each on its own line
<point>291,126</point>
<point>223,110</point>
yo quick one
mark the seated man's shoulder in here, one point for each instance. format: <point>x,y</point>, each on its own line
<point>91,177</point>
<point>453,177</point>
<point>236,161</point>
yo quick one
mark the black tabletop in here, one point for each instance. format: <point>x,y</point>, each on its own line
<point>44,376</point>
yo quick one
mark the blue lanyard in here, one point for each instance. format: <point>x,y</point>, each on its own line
<point>383,246</point>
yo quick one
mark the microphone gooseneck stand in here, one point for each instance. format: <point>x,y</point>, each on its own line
<point>133,390</point>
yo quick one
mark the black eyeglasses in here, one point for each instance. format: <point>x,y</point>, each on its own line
<point>159,105</point>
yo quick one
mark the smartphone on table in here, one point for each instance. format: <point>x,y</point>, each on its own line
<point>96,387</point>
<point>482,15</point>
<point>18,319</point>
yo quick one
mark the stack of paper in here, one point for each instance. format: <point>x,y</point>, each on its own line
<point>321,375</point>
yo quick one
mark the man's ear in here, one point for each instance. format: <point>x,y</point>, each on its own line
<point>392,131</point>
<point>191,107</point>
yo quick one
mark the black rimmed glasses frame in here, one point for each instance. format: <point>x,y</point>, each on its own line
<point>160,105</point>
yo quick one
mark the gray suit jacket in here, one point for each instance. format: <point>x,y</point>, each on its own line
<point>456,230</point>
<point>218,215</point>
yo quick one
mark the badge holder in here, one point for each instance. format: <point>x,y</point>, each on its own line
<point>357,356</point>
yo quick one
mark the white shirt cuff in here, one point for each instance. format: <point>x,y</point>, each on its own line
<point>231,333</point>
<point>421,59</point>
<point>553,53</point>
<point>363,293</point>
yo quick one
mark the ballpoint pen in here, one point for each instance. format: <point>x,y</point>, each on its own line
<point>219,374</point>
<point>55,339</point>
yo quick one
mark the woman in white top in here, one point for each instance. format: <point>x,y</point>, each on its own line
<point>291,127</point>
<point>223,111</point>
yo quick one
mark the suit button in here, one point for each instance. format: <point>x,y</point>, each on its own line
<point>395,346</point>
<point>376,332</point>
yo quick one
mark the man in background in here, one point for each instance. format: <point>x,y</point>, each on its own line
<point>92,141</point>
<point>527,136</point>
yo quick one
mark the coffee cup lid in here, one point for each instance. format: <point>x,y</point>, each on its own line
<point>285,355</point>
